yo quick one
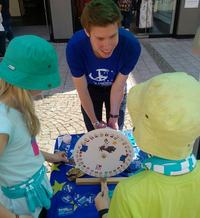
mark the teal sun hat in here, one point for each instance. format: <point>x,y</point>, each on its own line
<point>31,63</point>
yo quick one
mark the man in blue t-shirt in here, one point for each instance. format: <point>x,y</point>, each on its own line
<point>100,58</point>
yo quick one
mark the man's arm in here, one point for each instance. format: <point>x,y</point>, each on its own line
<point>134,7</point>
<point>116,97</point>
<point>81,86</point>
<point>196,44</point>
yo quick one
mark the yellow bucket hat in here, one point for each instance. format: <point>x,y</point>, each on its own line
<point>165,112</point>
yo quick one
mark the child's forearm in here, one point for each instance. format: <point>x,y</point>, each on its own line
<point>4,213</point>
<point>56,157</point>
<point>48,157</point>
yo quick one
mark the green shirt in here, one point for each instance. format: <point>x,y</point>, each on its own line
<point>153,195</point>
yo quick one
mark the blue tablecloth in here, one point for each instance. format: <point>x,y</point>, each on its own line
<point>73,201</point>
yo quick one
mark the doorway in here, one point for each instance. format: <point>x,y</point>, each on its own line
<point>159,13</point>
<point>164,14</point>
<point>33,14</point>
<point>33,19</point>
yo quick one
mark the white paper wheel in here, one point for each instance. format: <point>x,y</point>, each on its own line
<point>103,153</point>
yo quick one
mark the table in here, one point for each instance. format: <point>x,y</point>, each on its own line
<point>74,201</point>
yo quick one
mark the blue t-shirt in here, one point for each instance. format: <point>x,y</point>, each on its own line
<point>82,60</point>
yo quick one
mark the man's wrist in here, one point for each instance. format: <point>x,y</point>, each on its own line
<point>113,116</point>
<point>95,124</point>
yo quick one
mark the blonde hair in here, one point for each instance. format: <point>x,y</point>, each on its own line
<point>22,99</point>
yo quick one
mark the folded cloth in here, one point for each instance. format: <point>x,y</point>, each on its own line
<point>169,167</point>
<point>36,194</point>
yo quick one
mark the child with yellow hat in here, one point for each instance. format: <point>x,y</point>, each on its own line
<point>165,113</point>
<point>29,66</point>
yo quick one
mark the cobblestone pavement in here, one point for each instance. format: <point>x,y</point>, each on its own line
<point>59,109</point>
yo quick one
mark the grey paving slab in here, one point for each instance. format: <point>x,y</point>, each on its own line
<point>179,56</point>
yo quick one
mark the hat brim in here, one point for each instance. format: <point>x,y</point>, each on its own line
<point>36,82</point>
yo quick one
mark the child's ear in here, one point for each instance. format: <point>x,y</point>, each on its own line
<point>87,33</point>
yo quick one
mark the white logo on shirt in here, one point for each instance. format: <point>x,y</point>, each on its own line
<point>102,75</point>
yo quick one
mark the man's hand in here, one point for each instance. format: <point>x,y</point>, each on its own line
<point>101,124</point>
<point>102,201</point>
<point>113,123</point>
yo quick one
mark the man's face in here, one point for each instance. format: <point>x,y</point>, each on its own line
<point>104,40</point>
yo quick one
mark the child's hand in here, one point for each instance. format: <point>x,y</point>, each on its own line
<point>102,202</point>
<point>60,156</point>
<point>25,216</point>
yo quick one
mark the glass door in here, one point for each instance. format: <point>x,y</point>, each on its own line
<point>163,17</point>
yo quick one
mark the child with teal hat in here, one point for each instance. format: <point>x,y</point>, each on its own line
<point>29,66</point>
<point>166,121</point>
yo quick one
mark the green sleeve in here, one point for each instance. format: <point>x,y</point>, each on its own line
<point>123,204</point>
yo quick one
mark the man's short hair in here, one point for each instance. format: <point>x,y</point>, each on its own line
<point>100,13</point>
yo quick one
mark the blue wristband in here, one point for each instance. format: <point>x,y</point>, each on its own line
<point>94,124</point>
